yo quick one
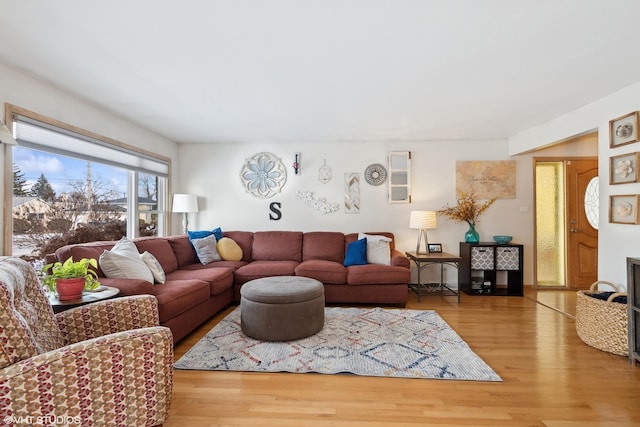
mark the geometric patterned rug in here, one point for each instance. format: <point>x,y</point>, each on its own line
<point>360,341</point>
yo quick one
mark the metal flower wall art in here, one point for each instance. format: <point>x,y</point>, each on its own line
<point>263,175</point>
<point>318,203</point>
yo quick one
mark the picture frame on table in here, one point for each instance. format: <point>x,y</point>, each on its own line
<point>624,129</point>
<point>624,168</point>
<point>623,209</point>
<point>435,248</point>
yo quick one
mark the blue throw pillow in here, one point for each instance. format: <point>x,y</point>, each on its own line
<point>356,253</point>
<point>201,234</point>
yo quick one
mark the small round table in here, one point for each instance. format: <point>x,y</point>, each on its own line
<point>103,292</point>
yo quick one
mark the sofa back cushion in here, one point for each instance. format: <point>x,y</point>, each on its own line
<point>183,250</point>
<point>324,245</point>
<point>277,246</point>
<point>244,239</point>
<point>85,250</point>
<point>161,249</point>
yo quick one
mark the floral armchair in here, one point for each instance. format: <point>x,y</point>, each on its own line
<point>102,364</point>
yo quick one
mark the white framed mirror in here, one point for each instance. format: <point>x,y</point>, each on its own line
<point>400,177</point>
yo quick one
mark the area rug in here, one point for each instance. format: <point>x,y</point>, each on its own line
<point>361,341</point>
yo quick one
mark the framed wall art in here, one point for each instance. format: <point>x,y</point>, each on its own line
<point>623,209</point>
<point>352,192</point>
<point>487,179</point>
<point>624,168</point>
<point>624,130</point>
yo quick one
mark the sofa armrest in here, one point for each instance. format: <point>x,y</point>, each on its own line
<point>107,317</point>
<point>399,259</point>
<point>123,379</point>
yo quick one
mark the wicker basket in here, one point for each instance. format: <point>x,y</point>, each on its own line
<point>602,324</point>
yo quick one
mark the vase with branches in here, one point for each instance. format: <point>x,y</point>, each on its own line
<point>468,209</point>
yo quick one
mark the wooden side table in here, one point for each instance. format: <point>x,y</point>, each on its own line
<point>423,260</point>
<point>103,292</point>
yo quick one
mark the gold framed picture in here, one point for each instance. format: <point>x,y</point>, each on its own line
<point>624,130</point>
<point>623,209</point>
<point>624,168</point>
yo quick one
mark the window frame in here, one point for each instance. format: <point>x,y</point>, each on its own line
<point>164,219</point>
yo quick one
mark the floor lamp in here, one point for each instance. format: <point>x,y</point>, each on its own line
<point>185,203</point>
<point>423,221</point>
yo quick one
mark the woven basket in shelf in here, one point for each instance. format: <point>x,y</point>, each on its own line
<point>602,324</point>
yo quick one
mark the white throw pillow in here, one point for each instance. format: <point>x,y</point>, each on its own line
<point>378,249</point>
<point>123,262</point>
<point>206,249</point>
<point>154,266</point>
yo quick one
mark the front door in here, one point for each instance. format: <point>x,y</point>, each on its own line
<point>582,234</point>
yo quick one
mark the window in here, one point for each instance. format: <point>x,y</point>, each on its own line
<point>592,202</point>
<point>550,223</point>
<point>71,185</point>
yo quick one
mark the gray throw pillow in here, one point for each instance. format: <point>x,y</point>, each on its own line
<point>206,249</point>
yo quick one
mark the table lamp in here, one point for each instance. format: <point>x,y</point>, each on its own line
<point>185,203</point>
<point>423,221</point>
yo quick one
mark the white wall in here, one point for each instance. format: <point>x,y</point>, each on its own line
<point>212,172</point>
<point>21,90</point>
<point>616,241</point>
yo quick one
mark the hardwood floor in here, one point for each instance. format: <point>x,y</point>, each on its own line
<point>550,378</point>
<point>560,300</point>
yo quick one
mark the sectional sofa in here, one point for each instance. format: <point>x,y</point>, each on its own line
<point>193,292</point>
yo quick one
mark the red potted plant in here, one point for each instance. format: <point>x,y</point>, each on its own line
<point>68,279</point>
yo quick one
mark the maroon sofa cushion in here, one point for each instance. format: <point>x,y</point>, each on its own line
<point>323,270</point>
<point>326,245</point>
<point>85,250</point>
<point>259,269</point>
<point>178,296</point>
<point>219,279</point>
<point>182,249</point>
<point>371,274</point>
<point>277,246</point>
<point>129,287</point>
<point>244,239</point>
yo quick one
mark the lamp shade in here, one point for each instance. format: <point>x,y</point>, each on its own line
<point>185,203</point>
<point>6,136</point>
<point>423,220</point>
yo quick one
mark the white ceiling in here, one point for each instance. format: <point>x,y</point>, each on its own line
<point>206,71</point>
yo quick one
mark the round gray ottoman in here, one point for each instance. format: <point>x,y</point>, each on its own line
<point>281,308</point>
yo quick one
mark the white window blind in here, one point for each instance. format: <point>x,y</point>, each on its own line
<point>37,135</point>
